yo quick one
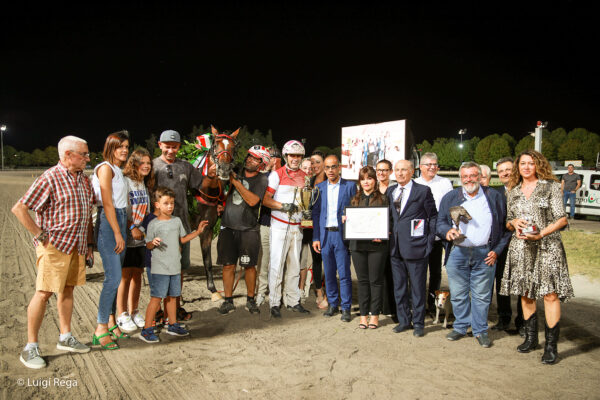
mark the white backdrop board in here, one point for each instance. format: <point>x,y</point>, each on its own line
<point>367,144</point>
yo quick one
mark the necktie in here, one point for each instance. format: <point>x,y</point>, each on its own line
<point>398,201</point>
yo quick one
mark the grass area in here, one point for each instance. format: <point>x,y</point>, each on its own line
<point>583,253</point>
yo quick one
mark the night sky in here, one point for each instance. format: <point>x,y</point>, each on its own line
<point>303,71</point>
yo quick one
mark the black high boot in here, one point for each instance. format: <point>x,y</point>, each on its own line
<point>531,335</point>
<point>550,349</point>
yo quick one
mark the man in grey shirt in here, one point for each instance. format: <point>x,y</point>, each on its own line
<point>570,184</point>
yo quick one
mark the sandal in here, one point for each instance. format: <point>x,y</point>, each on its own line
<point>108,346</point>
<point>373,326</point>
<point>362,326</point>
<point>324,304</point>
<point>122,336</point>
<point>183,315</point>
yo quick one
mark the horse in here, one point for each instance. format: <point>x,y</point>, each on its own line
<point>212,193</point>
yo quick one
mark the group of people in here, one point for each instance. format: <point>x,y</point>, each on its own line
<point>511,235</point>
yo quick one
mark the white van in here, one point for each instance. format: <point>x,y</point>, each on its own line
<point>587,201</point>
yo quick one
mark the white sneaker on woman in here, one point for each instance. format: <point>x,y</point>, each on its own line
<point>138,319</point>
<point>125,323</point>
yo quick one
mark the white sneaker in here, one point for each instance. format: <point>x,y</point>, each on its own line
<point>125,323</point>
<point>32,358</point>
<point>138,319</point>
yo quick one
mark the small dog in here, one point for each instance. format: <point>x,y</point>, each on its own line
<point>442,302</point>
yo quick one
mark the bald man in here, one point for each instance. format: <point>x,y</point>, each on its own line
<point>413,218</point>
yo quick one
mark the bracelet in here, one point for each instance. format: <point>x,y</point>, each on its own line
<point>42,236</point>
<point>132,226</point>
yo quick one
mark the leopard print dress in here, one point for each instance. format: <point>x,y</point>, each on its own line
<point>537,268</point>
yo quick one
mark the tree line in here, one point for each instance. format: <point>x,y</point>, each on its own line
<point>557,145</point>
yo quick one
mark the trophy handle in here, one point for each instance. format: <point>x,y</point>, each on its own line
<point>313,198</point>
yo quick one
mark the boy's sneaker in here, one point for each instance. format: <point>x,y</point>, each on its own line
<point>252,307</point>
<point>73,345</point>
<point>166,324</point>
<point>138,319</point>
<point>177,330</point>
<point>32,358</point>
<point>148,335</point>
<point>125,323</point>
<point>225,308</point>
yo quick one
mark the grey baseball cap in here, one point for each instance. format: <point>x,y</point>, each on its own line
<point>170,136</point>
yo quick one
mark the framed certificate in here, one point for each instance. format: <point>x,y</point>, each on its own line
<point>366,223</point>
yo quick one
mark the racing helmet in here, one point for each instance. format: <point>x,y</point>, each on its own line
<point>262,153</point>
<point>292,147</point>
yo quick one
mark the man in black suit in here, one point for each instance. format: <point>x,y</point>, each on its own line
<point>504,167</point>
<point>413,219</point>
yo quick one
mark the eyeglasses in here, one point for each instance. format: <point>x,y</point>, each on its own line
<point>170,171</point>
<point>327,167</point>
<point>472,176</point>
<point>84,155</point>
<point>383,170</point>
<point>430,165</point>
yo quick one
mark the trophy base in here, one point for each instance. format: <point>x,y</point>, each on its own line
<point>306,224</point>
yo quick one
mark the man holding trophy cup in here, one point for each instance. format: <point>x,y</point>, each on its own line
<point>282,198</point>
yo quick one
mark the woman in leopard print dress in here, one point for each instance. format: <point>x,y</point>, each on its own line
<point>536,265</point>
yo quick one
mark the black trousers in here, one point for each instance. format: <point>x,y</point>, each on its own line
<point>317,265</point>
<point>435,273</point>
<point>410,277</point>
<point>503,302</point>
<point>388,301</point>
<point>369,267</point>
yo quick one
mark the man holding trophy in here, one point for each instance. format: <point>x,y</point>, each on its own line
<point>282,197</point>
<point>471,221</point>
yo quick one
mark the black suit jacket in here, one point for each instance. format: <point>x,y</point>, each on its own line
<point>420,206</point>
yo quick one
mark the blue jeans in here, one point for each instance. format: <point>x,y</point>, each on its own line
<point>469,274</point>
<point>570,197</point>
<point>336,261</point>
<point>111,262</point>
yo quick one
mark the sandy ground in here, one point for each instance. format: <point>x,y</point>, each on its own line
<point>298,357</point>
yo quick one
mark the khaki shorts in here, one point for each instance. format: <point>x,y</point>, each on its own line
<point>57,269</point>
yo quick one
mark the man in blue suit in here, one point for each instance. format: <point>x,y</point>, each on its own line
<point>471,262</point>
<point>336,194</point>
<point>413,216</point>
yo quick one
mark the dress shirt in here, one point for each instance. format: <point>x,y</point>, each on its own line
<point>405,194</point>
<point>439,187</point>
<point>478,229</point>
<point>333,191</point>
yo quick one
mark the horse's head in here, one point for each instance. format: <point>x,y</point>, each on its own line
<point>222,152</point>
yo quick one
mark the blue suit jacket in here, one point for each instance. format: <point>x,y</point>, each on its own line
<point>319,211</point>
<point>420,205</point>
<point>499,236</point>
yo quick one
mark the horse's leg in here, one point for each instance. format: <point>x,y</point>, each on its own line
<point>205,244</point>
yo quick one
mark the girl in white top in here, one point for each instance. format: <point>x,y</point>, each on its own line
<point>138,178</point>
<point>111,194</point>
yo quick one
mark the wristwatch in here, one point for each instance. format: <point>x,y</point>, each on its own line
<point>42,236</point>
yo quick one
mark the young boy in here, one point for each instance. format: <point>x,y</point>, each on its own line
<point>164,235</point>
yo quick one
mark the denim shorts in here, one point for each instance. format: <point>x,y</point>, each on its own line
<point>162,286</point>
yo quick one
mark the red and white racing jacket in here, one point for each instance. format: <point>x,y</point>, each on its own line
<point>285,185</point>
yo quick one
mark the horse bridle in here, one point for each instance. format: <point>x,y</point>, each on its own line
<point>215,157</point>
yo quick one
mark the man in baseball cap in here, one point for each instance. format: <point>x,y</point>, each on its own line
<point>178,175</point>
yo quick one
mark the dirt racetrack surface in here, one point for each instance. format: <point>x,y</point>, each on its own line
<point>243,356</point>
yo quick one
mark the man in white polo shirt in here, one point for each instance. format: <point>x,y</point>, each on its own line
<point>439,187</point>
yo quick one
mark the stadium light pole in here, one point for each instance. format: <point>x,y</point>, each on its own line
<point>538,135</point>
<point>461,133</point>
<point>2,130</point>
